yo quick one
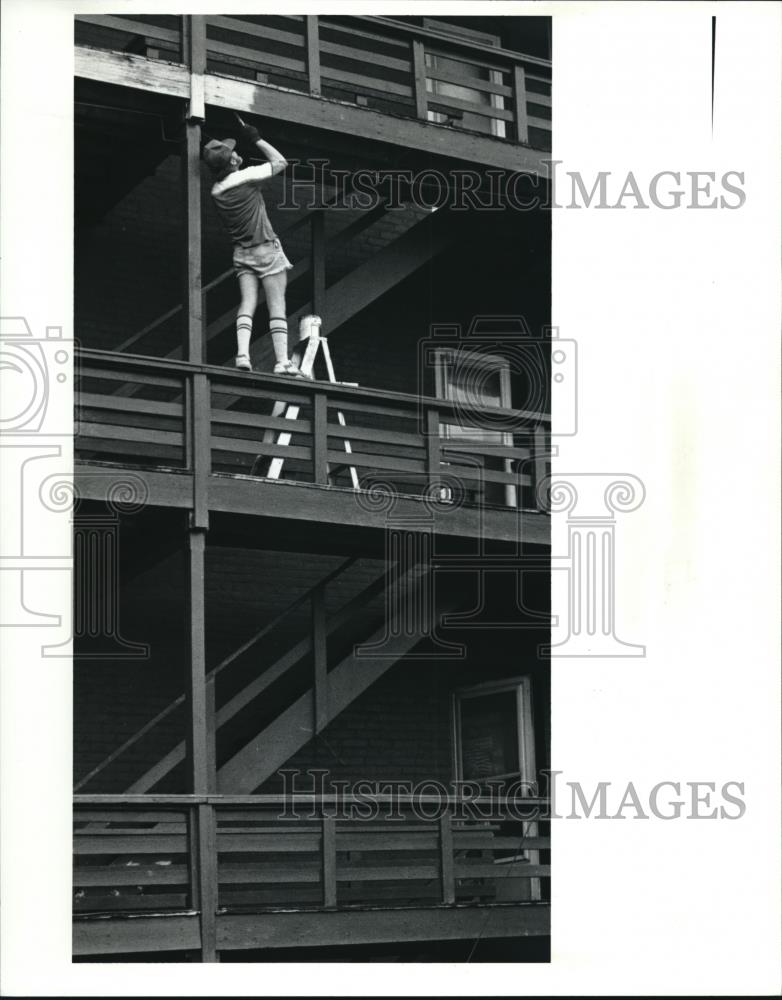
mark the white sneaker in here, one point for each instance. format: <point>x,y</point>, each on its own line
<point>290,368</point>
<point>242,362</point>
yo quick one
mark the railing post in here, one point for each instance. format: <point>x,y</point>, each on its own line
<point>539,467</point>
<point>446,858</point>
<point>433,456</point>
<point>520,102</point>
<point>313,54</point>
<point>329,858</point>
<point>199,447</point>
<point>319,652</point>
<point>419,79</point>
<point>320,440</point>
<point>202,845</point>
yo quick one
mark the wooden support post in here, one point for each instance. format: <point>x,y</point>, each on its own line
<point>195,674</point>
<point>200,756</point>
<point>419,79</point>
<point>329,858</point>
<point>191,181</point>
<point>320,659</point>
<point>520,101</point>
<point>313,54</point>
<point>446,859</point>
<point>320,465</point>
<point>318,233</point>
<point>194,44</point>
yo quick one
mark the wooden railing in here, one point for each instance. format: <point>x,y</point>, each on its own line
<point>135,854</point>
<point>398,443</point>
<point>374,62</point>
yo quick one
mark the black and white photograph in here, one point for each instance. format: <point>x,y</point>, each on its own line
<point>311,698</point>
<point>389,430</point>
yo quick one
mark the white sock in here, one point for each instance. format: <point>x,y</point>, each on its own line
<point>244,329</point>
<point>278,328</point>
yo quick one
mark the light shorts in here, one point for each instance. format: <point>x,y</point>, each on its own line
<point>261,260</point>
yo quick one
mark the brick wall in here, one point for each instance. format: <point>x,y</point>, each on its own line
<point>399,729</point>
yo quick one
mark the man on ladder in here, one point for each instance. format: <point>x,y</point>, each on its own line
<point>258,254</point>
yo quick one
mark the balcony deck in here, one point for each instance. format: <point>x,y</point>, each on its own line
<point>304,871</point>
<point>210,439</point>
<point>373,77</point>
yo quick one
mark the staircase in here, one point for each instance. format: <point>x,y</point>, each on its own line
<point>265,689</point>
<point>261,756</point>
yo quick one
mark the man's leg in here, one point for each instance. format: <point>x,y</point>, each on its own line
<point>274,286</point>
<point>248,287</point>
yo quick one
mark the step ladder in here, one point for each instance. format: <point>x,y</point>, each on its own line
<point>310,342</point>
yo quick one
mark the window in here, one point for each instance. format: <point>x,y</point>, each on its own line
<point>493,732</point>
<point>469,379</point>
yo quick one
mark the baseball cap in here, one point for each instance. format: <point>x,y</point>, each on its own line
<point>217,153</point>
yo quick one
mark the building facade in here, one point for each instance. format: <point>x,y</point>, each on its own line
<point>311,618</point>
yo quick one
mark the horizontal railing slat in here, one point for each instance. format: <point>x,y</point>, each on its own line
<point>112,842</point>
<point>259,448</point>
<point>121,404</point>
<point>114,875</point>
<point>234,418</point>
<point>120,433</point>
<point>264,31</point>
<point>376,461</point>
<point>471,82</point>
<point>511,870</point>
<point>132,27</point>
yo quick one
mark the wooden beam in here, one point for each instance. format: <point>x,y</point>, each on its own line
<point>313,54</point>
<point>291,930</point>
<point>174,932</point>
<point>163,489</point>
<point>300,502</point>
<point>337,116</point>
<point>125,70</point>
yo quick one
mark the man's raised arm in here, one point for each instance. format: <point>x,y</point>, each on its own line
<point>276,160</point>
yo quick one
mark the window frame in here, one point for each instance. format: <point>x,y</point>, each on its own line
<point>525,726</point>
